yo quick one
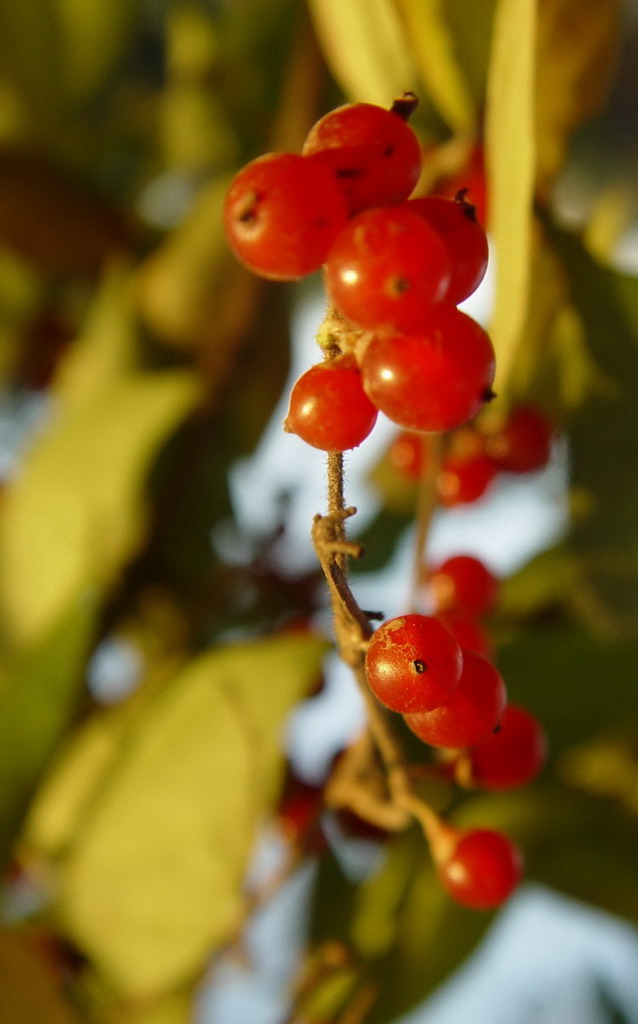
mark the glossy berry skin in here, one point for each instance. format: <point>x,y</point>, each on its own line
<point>373,153</point>
<point>413,663</point>
<point>281,214</point>
<point>483,869</point>
<point>473,711</point>
<point>464,238</point>
<point>386,269</point>
<point>511,757</point>
<point>524,442</point>
<point>435,380</point>
<point>464,479</point>
<point>329,408</point>
<point>464,581</point>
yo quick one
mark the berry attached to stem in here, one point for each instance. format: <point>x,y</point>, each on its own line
<point>473,711</point>
<point>329,408</point>
<point>413,663</point>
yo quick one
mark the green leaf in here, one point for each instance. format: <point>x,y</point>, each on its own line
<point>510,156</point>
<point>163,813</point>
<point>38,693</point>
<point>583,846</point>
<point>576,683</point>
<point>603,437</point>
<point>432,935</point>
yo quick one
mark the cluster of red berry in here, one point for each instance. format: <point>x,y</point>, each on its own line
<point>395,270</point>
<point>434,670</point>
<point>474,455</point>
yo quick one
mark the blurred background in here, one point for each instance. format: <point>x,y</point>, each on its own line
<point>170,702</point>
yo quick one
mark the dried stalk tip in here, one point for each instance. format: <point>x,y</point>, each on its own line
<point>405,105</point>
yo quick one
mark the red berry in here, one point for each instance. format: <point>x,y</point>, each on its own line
<point>483,869</point>
<point>524,442</point>
<point>435,380</point>
<point>512,756</point>
<point>467,629</point>
<point>413,663</point>
<point>473,711</point>
<point>410,453</point>
<point>464,479</point>
<point>282,213</point>
<point>471,182</point>
<point>387,268</point>
<point>300,809</point>
<point>464,581</point>
<point>329,408</point>
<point>464,238</point>
<point>373,152</point>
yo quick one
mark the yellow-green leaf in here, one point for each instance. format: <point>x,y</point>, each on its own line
<point>432,46</point>
<point>38,694</point>
<point>366,47</point>
<point>74,513</point>
<point>151,878</point>
<point>105,352</point>
<point>510,152</point>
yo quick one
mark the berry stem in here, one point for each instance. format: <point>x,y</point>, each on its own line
<point>352,633</point>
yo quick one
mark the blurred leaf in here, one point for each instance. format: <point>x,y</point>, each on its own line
<point>105,352</point>
<point>365,45</point>
<point>75,512</point>
<point>38,692</point>
<point>583,846</point>
<point>607,766</point>
<point>93,40</point>
<point>510,155</point>
<point>151,879</point>
<point>333,897</point>
<point>546,581</point>
<point>20,290</point>
<point>433,48</point>
<point>28,992</point>
<point>576,683</point>
<point>194,130</point>
<point>191,292</point>
<point>53,221</point>
<point>32,64</point>
<point>471,27</point>
<point>431,933</point>
<point>603,436</point>
<point>577,46</point>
